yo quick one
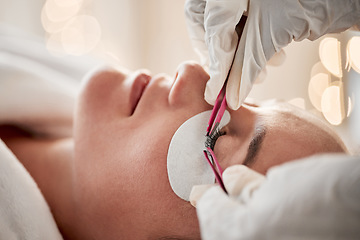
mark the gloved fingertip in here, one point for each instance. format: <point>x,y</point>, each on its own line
<point>236,169</point>
<point>209,96</point>
<point>238,176</point>
<point>214,85</point>
<point>197,191</point>
<point>277,59</point>
<point>241,170</point>
<point>232,104</point>
<point>232,174</point>
<point>232,100</point>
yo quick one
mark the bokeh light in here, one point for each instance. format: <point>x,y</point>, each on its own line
<point>353,52</point>
<point>50,26</point>
<point>318,68</point>
<point>81,35</point>
<point>68,30</point>
<point>68,3</point>
<point>350,106</point>
<point>329,52</point>
<point>59,11</point>
<point>317,85</point>
<point>298,102</point>
<point>332,104</point>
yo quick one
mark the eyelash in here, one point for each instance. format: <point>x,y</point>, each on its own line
<point>212,138</point>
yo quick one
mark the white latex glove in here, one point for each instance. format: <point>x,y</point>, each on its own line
<point>270,26</point>
<point>314,198</point>
<point>240,182</point>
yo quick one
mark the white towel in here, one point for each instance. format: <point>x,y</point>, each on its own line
<point>24,213</point>
<point>37,91</point>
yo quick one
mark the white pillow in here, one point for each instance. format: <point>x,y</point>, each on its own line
<point>23,209</point>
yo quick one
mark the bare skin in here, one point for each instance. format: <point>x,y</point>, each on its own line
<point>109,181</point>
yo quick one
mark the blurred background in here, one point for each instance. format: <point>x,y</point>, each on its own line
<point>322,76</point>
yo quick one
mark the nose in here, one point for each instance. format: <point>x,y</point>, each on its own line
<point>189,84</point>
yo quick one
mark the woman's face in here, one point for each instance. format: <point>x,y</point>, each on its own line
<point>123,126</point>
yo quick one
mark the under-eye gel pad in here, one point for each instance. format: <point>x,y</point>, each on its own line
<point>186,164</point>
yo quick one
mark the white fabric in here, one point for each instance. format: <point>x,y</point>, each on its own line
<point>37,92</point>
<point>270,26</point>
<point>35,97</point>
<point>186,163</point>
<point>37,89</point>
<point>24,214</point>
<point>314,198</point>
<point>240,183</point>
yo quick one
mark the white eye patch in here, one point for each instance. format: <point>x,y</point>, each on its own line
<point>186,163</point>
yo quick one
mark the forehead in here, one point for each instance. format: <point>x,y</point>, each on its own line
<point>283,112</point>
<point>289,132</point>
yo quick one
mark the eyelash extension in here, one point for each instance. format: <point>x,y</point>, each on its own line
<point>212,138</point>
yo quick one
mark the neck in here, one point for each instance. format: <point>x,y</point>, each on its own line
<point>50,163</point>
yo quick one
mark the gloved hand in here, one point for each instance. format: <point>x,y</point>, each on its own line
<point>314,198</point>
<point>270,26</point>
<point>240,182</point>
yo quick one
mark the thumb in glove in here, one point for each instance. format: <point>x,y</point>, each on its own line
<point>239,180</point>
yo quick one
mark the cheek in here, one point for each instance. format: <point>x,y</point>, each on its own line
<point>144,186</point>
<point>140,158</point>
<point>122,175</point>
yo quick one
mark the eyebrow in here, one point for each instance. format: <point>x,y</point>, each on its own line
<point>255,145</point>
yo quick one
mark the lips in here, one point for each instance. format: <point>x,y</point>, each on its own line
<point>138,87</point>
